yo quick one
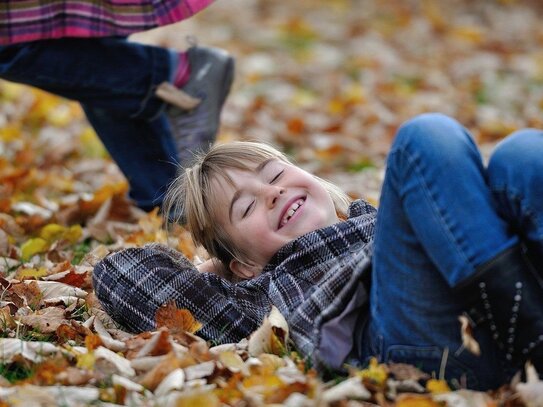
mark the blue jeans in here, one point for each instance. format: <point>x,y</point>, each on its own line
<point>442,214</point>
<point>114,80</point>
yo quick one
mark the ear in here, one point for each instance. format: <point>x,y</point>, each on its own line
<point>244,270</point>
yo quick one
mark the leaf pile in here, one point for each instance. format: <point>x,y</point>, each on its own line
<point>328,81</point>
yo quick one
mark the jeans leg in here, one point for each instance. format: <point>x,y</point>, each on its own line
<point>436,223</point>
<point>515,174</point>
<point>143,149</point>
<point>115,81</point>
<point>107,73</point>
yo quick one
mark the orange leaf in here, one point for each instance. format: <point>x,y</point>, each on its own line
<point>74,279</point>
<point>414,400</point>
<point>176,319</point>
<point>92,341</point>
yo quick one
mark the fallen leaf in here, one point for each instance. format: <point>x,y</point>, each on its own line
<point>271,336</point>
<point>351,388</point>
<point>435,386</point>
<point>10,348</point>
<point>176,319</point>
<point>33,246</point>
<point>531,392</point>
<point>466,332</point>
<point>415,400</point>
<point>45,320</point>
<point>152,379</point>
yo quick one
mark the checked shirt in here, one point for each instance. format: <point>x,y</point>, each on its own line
<point>311,280</point>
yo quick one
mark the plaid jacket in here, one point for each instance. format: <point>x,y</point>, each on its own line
<point>311,280</point>
<point>30,20</point>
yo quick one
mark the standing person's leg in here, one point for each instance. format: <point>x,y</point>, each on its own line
<point>116,82</point>
<point>437,223</point>
<point>143,149</point>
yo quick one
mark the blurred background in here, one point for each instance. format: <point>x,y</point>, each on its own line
<point>327,81</point>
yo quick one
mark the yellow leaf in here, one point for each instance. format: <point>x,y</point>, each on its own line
<point>268,382</point>
<point>271,336</point>
<point>60,115</point>
<point>31,273</point>
<point>32,247</point>
<point>376,373</point>
<point>73,233</point>
<point>471,34</point>
<point>415,400</point>
<point>207,399</point>
<point>437,386</point>
<point>10,133</point>
<point>86,360</point>
<point>52,232</point>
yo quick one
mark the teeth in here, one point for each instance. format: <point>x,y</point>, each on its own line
<point>292,210</point>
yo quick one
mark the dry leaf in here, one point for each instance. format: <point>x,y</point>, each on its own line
<point>415,400</point>
<point>351,388</point>
<point>435,386</point>
<point>176,319</point>
<point>468,341</point>
<point>45,320</point>
<point>121,364</point>
<point>174,381</point>
<point>271,336</point>
<point>53,289</point>
<point>152,379</point>
<point>33,351</point>
<point>531,392</point>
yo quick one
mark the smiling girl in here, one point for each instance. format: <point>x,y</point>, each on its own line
<point>451,237</point>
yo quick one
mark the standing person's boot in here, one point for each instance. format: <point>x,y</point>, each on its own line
<point>195,110</point>
<point>506,296</point>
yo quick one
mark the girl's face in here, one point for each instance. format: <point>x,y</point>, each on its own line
<point>270,206</point>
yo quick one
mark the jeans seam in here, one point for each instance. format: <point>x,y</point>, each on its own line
<point>413,162</point>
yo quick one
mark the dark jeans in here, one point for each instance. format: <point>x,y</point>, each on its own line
<point>114,80</point>
<point>442,214</point>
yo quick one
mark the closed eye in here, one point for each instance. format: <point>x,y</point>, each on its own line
<point>248,209</point>
<point>277,176</point>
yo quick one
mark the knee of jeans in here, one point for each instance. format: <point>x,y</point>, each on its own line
<point>517,158</point>
<point>433,134</point>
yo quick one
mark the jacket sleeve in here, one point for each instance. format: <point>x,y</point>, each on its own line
<point>133,283</point>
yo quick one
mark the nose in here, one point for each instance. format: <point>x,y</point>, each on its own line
<point>272,194</point>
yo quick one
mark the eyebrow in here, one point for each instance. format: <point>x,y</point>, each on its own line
<point>237,194</point>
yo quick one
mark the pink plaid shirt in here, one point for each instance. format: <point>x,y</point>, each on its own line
<point>30,20</point>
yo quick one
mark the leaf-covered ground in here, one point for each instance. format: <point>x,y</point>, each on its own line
<point>328,81</point>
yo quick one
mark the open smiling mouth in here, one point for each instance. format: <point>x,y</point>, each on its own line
<point>291,211</point>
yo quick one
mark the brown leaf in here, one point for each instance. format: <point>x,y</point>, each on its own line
<point>402,371</point>
<point>46,320</point>
<point>30,293</point>
<point>175,319</point>
<point>6,320</point>
<point>155,376</point>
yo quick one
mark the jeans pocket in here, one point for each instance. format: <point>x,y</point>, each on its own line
<point>432,360</point>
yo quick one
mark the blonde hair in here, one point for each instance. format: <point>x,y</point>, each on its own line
<point>190,198</point>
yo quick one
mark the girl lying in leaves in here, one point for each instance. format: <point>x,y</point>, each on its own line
<point>450,238</point>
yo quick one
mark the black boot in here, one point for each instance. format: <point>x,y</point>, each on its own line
<point>534,252</point>
<point>506,296</point>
